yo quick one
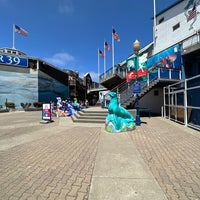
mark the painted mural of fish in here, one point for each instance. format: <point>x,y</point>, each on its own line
<point>167,62</point>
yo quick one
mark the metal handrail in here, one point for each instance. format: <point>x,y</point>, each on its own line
<point>179,105</point>
<point>125,89</point>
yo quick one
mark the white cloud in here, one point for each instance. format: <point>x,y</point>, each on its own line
<point>60,59</point>
<point>65,7</point>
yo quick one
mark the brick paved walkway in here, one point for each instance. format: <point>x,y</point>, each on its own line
<point>57,166</point>
<point>56,161</point>
<point>172,153</point>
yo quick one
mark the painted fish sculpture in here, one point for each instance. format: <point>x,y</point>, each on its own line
<point>119,119</point>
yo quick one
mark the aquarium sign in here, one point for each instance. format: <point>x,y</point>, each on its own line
<point>13,60</point>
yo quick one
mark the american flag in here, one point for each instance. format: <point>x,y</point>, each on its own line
<point>115,35</point>
<point>20,30</point>
<point>106,46</point>
<point>192,13</point>
<point>101,54</point>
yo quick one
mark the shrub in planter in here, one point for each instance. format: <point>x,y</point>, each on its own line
<point>25,105</point>
<point>9,104</point>
<point>37,104</point>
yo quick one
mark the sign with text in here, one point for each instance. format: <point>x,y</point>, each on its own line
<point>46,111</point>
<point>136,74</point>
<point>137,88</point>
<point>13,60</point>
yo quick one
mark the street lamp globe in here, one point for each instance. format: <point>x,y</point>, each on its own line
<point>136,47</point>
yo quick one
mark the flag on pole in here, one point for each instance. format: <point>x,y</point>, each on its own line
<point>101,54</point>
<point>192,13</point>
<point>20,30</point>
<point>115,35</point>
<point>106,46</point>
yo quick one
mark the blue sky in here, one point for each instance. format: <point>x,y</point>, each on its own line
<point>68,33</point>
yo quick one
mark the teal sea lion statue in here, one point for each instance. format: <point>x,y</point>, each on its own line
<point>119,119</point>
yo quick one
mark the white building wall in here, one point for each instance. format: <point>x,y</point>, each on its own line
<point>166,36</point>
<point>153,100</point>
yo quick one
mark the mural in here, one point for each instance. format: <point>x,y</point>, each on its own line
<point>168,59</point>
<point>24,87</point>
<point>165,60</point>
<point>49,89</point>
<point>18,87</point>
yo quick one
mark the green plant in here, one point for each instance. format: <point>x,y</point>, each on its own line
<point>10,104</point>
<point>37,104</point>
<point>25,105</point>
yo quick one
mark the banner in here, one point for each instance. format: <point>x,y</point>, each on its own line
<point>167,59</point>
<point>134,71</point>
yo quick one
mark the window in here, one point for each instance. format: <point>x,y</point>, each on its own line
<point>176,26</point>
<point>156,93</point>
<point>161,20</point>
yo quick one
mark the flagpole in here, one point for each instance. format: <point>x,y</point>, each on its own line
<point>104,60</point>
<point>98,66</point>
<point>113,53</point>
<point>13,38</point>
<point>154,23</point>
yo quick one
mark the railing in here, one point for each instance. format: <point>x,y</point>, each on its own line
<point>125,91</point>
<point>181,102</point>
<point>116,70</point>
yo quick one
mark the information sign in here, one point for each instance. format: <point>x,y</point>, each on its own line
<point>137,88</point>
<point>46,111</point>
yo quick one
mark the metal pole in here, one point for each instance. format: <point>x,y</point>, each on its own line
<point>137,122</point>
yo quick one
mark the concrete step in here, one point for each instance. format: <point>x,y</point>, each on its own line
<point>90,115</point>
<point>78,120</point>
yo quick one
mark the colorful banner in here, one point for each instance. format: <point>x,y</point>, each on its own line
<point>168,59</point>
<point>165,60</point>
<point>134,71</point>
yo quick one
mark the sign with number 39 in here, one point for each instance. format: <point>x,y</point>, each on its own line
<point>13,60</point>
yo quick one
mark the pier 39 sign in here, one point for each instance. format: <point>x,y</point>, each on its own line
<point>13,60</point>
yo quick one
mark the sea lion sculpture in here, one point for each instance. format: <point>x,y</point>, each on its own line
<point>119,119</point>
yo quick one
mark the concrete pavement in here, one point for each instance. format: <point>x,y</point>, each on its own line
<point>120,173</point>
<point>66,160</point>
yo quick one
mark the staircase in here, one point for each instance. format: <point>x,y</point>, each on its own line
<point>145,89</point>
<point>90,115</point>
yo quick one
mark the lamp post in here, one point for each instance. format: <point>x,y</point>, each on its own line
<point>136,48</point>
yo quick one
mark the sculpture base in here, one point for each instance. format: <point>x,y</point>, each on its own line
<point>111,128</point>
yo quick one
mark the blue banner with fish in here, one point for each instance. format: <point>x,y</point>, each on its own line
<point>168,59</point>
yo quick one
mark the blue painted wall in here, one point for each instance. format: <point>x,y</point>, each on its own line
<point>28,88</point>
